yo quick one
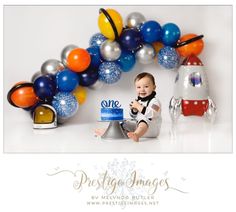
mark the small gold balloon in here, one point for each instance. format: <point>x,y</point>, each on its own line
<point>80,94</point>
<point>157,46</point>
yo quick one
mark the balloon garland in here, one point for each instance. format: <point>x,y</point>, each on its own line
<point>57,90</point>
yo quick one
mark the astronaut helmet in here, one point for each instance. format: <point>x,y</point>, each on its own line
<point>44,117</point>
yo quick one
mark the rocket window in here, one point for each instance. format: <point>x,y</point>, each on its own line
<point>195,79</point>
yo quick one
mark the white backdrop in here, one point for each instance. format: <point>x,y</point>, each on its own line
<point>33,34</point>
<point>25,186</point>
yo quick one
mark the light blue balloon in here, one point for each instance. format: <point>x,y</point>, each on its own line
<point>126,61</point>
<point>170,34</point>
<point>109,72</point>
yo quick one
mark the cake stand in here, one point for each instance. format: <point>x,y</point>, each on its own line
<point>114,130</point>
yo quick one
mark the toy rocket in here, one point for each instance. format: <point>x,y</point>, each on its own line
<point>191,92</point>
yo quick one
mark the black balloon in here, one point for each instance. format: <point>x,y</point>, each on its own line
<point>88,77</point>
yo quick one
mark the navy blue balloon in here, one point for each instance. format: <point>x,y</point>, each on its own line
<point>88,77</point>
<point>126,61</point>
<point>130,39</point>
<point>45,88</point>
<point>95,55</point>
<point>97,39</point>
<point>170,34</point>
<point>151,31</point>
<point>67,80</point>
<point>51,76</point>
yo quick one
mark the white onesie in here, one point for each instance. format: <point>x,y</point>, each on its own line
<point>151,115</point>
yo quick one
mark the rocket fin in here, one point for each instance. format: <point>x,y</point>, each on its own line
<point>211,111</point>
<point>175,108</point>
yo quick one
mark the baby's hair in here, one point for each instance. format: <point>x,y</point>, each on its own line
<point>145,74</point>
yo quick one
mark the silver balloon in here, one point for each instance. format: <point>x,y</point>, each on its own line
<point>36,75</point>
<point>66,51</point>
<point>51,66</point>
<point>135,19</point>
<point>146,54</point>
<point>110,50</point>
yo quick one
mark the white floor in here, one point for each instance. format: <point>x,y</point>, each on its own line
<point>195,136</point>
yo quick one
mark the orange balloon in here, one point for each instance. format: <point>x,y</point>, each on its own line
<point>78,60</point>
<point>194,47</point>
<point>24,97</point>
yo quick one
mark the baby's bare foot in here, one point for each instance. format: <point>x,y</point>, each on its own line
<point>99,132</point>
<point>133,136</point>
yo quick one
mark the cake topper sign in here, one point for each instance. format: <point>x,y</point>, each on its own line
<point>110,104</point>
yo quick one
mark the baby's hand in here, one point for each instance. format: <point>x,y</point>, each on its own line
<point>136,105</point>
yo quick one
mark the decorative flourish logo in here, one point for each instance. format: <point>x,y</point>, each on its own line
<point>119,179</point>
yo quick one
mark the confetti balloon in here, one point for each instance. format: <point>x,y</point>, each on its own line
<point>80,94</point>
<point>168,57</point>
<point>110,50</point>
<point>126,61</point>
<point>66,51</point>
<point>22,95</point>
<point>65,104</point>
<point>97,39</point>
<point>194,47</point>
<point>135,20</point>
<point>78,60</point>
<point>105,25</point>
<point>170,34</point>
<point>151,31</point>
<point>51,66</point>
<point>67,80</point>
<point>109,72</point>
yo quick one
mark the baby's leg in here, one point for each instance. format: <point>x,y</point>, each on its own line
<point>139,132</point>
<point>99,132</point>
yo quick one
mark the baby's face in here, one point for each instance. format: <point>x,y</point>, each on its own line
<point>144,87</point>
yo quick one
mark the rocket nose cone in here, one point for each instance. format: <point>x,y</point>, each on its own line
<point>192,60</point>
